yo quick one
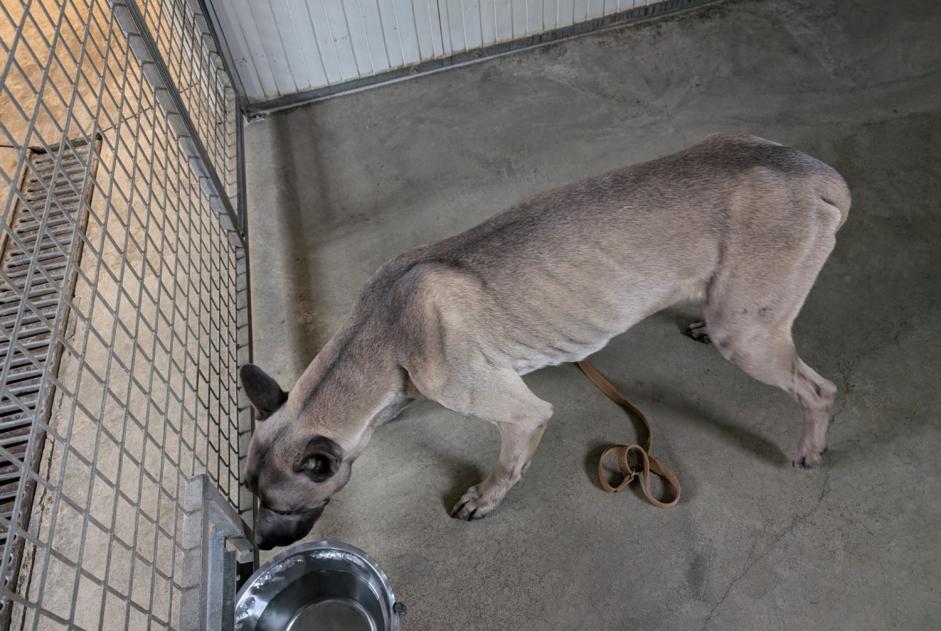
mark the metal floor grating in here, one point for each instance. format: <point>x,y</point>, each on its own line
<point>35,266</point>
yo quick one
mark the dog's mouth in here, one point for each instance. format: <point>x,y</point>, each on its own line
<point>275,527</point>
<point>295,512</point>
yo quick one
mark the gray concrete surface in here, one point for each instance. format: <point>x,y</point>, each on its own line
<point>338,187</point>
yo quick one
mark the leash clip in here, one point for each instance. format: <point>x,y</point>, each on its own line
<point>628,472</point>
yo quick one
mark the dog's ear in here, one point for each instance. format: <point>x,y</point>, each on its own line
<point>263,391</point>
<point>320,459</point>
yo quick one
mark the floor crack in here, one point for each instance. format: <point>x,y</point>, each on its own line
<point>751,560</point>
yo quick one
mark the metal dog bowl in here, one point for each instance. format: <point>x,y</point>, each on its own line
<point>321,586</point>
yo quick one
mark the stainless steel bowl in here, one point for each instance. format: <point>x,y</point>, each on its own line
<point>322,586</point>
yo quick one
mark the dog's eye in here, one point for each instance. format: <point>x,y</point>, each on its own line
<point>320,460</point>
<point>319,467</point>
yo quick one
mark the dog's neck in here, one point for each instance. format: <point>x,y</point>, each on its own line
<point>353,386</point>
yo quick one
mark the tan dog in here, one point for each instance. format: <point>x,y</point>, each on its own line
<point>741,223</point>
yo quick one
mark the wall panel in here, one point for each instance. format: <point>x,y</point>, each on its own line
<point>285,47</point>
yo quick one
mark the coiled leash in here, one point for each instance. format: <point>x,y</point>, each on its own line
<point>642,464</point>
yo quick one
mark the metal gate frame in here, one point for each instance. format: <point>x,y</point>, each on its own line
<point>176,51</point>
<point>43,401</point>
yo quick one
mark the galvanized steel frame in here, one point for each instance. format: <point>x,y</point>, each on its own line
<point>180,221</point>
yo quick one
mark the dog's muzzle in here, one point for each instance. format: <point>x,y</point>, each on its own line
<point>274,528</point>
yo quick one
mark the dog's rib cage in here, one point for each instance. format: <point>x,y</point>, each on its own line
<point>123,305</point>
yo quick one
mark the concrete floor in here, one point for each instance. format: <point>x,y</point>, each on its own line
<point>337,187</point>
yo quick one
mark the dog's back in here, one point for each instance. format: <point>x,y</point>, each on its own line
<point>554,278</point>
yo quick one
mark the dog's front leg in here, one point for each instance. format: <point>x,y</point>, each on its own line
<point>518,442</point>
<point>498,396</point>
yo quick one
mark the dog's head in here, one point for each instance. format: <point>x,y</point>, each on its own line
<point>293,469</point>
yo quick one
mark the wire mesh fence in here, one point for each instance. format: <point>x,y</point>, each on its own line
<point>181,34</point>
<point>123,306</point>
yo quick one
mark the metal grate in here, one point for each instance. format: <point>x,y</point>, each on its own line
<point>123,307</point>
<point>183,38</point>
<point>35,266</point>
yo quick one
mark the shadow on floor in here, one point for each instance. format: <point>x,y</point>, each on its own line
<point>294,152</point>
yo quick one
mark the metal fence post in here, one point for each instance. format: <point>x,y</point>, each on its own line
<point>215,542</point>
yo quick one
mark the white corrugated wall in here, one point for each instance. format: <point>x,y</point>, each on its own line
<point>283,47</point>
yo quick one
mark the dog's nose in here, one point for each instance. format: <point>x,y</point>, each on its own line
<point>262,542</point>
<point>267,538</point>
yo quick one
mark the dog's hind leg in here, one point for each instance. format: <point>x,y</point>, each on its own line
<point>501,397</point>
<point>750,308</point>
<point>770,357</point>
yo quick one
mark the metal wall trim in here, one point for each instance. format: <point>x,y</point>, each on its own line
<point>615,20</point>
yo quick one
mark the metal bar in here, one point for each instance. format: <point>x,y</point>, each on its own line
<point>25,494</point>
<point>218,35</point>
<point>210,524</point>
<point>163,79</point>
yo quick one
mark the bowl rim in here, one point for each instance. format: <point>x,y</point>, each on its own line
<point>326,544</point>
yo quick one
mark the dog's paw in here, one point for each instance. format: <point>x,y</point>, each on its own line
<point>808,458</point>
<point>473,505</point>
<point>697,331</point>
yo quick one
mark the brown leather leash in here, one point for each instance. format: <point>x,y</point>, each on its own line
<point>642,464</point>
